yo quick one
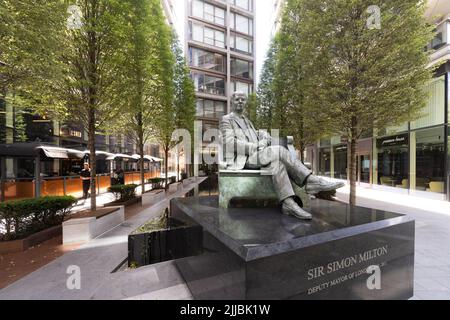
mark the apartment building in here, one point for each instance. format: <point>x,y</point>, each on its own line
<point>218,39</point>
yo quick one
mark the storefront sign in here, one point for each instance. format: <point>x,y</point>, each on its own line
<point>398,140</point>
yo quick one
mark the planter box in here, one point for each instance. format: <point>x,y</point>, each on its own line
<point>30,241</point>
<point>174,187</point>
<point>152,197</point>
<point>123,203</point>
<point>83,229</point>
<point>180,241</point>
<point>186,182</point>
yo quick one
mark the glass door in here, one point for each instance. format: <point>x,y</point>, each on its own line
<point>363,167</point>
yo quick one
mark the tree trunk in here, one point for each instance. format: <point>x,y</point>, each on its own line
<point>178,164</point>
<point>352,167</point>
<point>166,166</point>
<point>92,157</point>
<point>141,150</point>
<point>302,153</point>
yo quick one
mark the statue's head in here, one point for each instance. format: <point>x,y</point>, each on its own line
<point>238,102</point>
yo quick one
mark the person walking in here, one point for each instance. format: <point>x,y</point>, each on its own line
<point>85,176</point>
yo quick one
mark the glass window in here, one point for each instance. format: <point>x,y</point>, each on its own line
<point>241,68</point>
<point>244,4</point>
<point>244,87</point>
<point>208,35</point>
<point>209,12</point>
<point>219,39</point>
<point>392,155</point>
<point>209,84</point>
<point>241,44</point>
<point>197,8</point>
<point>220,108</point>
<point>430,160</point>
<point>197,33</point>
<point>242,24</point>
<point>210,108</point>
<point>206,60</point>
<point>340,162</point>
<point>434,111</point>
<point>324,162</point>
<point>200,108</point>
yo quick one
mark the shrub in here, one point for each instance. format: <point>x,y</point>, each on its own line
<point>184,176</point>
<point>123,192</point>
<point>21,218</point>
<point>157,183</point>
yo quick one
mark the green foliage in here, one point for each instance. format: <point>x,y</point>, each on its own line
<point>20,134</point>
<point>123,192</point>
<point>357,79</point>
<point>252,109</point>
<point>157,183</point>
<point>266,91</point>
<point>32,45</point>
<point>22,218</point>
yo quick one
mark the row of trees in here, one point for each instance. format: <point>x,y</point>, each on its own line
<point>113,66</point>
<point>331,70</point>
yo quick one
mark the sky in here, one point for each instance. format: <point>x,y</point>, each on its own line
<point>263,28</point>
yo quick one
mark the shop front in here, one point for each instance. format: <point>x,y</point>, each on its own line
<point>392,161</point>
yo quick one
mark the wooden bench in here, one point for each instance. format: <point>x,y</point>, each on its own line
<point>85,226</point>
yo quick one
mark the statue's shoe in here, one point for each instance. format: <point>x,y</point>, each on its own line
<point>291,208</point>
<point>316,185</point>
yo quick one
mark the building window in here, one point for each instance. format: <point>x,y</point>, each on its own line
<point>209,84</point>
<point>430,160</point>
<point>434,111</point>
<point>392,155</point>
<point>210,108</point>
<point>207,35</point>
<point>325,162</point>
<point>244,4</point>
<point>241,44</point>
<point>241,68</point>
<point>340,161</point>
<point>208,12</point>
<point>244,87</point>
<point>241,24</point>
<point>207,60</point>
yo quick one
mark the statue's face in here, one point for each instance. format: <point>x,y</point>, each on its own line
<point>239,102</point>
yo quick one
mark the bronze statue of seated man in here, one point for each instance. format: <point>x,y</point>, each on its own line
<point>246,148</point>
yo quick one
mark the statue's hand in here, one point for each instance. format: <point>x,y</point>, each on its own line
<point>264,135</point>
<point>264,143</point>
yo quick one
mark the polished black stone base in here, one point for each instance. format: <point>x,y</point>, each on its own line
<point>178,241</point>
<point>262,254</point>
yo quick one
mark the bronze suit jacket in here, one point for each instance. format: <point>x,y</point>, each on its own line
<point>238,141</point>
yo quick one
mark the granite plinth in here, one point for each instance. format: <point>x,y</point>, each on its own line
<point>262,254</point>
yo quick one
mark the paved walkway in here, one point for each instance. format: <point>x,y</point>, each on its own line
<point>432,253</point>
<point>97,260</point>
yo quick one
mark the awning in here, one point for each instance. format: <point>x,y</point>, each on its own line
<point>120,156</point>
<point>99,153</point>
<point>146,158</point>
<point>55,153</point>
<point>155,159</point>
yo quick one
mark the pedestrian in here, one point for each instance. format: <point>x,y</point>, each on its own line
<point>85,176</point>
<point>121,176</point>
